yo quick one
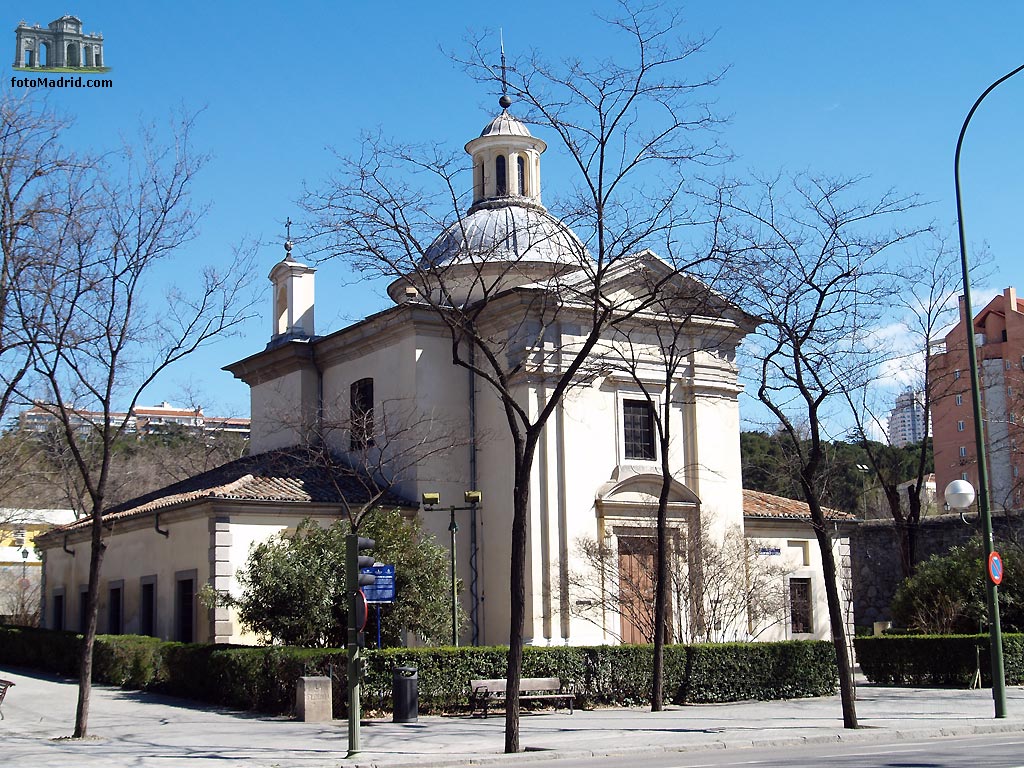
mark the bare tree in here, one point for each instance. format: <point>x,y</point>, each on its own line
<point>737,586</point>
<point>618,123</point>
<point>740,586</point>
<point>926,299</point>
<point>19,597</point>
<point>101,341</point>
<point>39,184</point>
<point>813,267</point>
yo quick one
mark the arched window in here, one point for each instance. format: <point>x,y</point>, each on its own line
<point>500,176</point>
<point>361,400</point>
<point>521,167</point>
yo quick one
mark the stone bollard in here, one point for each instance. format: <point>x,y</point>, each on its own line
<point>313,699</point>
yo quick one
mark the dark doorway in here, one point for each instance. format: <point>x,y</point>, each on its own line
<point>185,611</point>
<point>147,609</point>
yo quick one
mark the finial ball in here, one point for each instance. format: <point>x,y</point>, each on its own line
<point>505,101</point>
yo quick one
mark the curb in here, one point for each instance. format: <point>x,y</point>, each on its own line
<point>863,735</point>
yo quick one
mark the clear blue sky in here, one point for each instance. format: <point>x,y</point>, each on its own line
<point>842,88</point>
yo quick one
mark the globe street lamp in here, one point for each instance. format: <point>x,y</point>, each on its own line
<point>984,508</point>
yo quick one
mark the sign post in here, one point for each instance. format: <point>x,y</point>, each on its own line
<point>382,590</point>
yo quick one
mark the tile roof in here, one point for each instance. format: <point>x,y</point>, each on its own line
<point>288,476</point>
<point>765,505</point>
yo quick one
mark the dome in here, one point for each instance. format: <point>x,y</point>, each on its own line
<point>507,238</point>
<point>506,233</point>
<point>505,125</point>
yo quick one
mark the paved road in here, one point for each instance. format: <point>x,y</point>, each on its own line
<point>149,731</point>
<point>982,751</point>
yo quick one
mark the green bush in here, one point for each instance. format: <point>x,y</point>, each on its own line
<point>130,661</point>
<point>47,650</point>
<point>946,594</point>
<point>738,671</point>
<point>941,660</point>
<point>264,679</point>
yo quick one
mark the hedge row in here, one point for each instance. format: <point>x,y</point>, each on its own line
<point>264,678</point>
<point>941,660</point>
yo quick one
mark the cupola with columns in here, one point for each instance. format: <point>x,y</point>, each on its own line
<point>507,238</point>
<point>506,162</point>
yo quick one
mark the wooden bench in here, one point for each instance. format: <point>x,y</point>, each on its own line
<point>484,693</point>
<point>4,685</point>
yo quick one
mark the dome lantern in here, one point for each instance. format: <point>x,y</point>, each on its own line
<point>506,162</point>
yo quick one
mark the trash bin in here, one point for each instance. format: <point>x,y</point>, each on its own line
<point>405,694</point>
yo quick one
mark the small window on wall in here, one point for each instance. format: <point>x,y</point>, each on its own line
<point>959,399</point>
<point>58,611</point>
<point>800,614</point>
<point>115,606</point>
<point>956,374</point>
<point>185,607</point>
<point>960,426</point>
<point>521,167</point>
<point>638,429</point>
<point>361,414</point>
<point>147,606</point>
<point>963,451</point>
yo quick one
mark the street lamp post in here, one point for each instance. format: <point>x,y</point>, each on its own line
<point>472,498</point>
<point>864,469</point>
<point>984,508</point>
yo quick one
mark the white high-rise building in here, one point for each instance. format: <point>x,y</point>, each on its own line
<point>906,420</point>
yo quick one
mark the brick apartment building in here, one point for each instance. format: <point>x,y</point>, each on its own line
<point>999,335</point>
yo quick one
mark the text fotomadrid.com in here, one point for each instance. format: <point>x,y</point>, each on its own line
<point>60,82</point>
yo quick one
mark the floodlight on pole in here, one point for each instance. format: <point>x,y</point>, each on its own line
<point>984,508</point>
<point>473,499</point>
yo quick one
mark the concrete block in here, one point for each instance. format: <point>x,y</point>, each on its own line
<point>313,699</point>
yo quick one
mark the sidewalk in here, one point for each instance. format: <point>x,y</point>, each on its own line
<point>129,728</point>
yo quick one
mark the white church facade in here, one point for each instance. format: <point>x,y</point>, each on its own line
<point>595,478</point>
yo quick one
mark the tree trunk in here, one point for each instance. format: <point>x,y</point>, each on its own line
<point>517,609</point>
<point>835,615</point>
<point>661,585</point>
<point>92,615</point>
<point>913,520</point>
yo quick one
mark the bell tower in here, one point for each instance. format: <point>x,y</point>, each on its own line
<point>293,297</point>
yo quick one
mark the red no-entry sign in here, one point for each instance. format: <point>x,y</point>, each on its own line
<point>995,568</point>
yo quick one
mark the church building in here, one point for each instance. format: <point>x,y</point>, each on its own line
<point>380,390</point>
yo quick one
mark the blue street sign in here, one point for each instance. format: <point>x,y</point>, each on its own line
<point>383,589</point>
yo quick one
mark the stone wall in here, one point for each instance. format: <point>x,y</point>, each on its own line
<point>875,557</point>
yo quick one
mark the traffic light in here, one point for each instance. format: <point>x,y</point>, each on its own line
<point>355,579</point>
